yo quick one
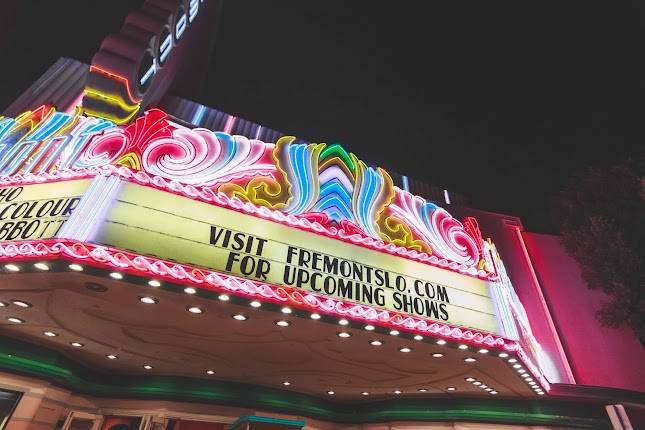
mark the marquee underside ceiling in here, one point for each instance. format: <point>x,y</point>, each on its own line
<point>107,317</point>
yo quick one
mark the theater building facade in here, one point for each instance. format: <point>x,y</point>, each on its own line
<point>165,265</point>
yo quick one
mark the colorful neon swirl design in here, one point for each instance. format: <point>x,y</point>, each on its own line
<point>202,157</point>
<point>437,227</point>
<point>299,179</point>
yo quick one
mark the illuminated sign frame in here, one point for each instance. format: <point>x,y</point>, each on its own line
<point>315,187</point>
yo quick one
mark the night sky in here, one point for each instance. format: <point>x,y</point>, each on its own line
<point>499,101</point>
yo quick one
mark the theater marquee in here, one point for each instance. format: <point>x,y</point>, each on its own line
<point>153,222</point>
<point>311,217</point>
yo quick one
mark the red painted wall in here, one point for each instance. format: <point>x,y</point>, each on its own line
<point>599,355</point>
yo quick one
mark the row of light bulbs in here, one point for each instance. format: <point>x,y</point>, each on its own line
<point>281,323</point>
<point>526,376</point>
<point>366,393</point>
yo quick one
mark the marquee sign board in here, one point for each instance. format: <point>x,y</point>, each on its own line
<point>38,211</point>
<point>152,222</point>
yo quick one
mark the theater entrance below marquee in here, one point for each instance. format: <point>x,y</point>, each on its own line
<point>166,420</point>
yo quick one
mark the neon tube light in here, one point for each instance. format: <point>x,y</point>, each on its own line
<point>199,115</point>
<point>119,78</point>
<point>180,27</point>
<point>165,48</point>
<point>151,71</point>
<point>193,9</point>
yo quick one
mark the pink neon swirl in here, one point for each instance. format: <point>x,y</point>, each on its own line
<point>201,157</point>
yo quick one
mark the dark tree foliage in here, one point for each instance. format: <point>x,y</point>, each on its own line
<point>601,215</point>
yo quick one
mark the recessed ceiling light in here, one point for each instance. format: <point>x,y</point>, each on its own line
<point>488,389</point>
<point>502,355</point>
<point>483,386</point>
<point>517,366</point>
<point>470,359</point>
<point>376,342</point>
<point>210,372</point>
<point>344,334</point>
<point>529,379</point>
<point>394,332</point>
<point>397,391</point>
<point>76,344</point>
<point>3,304</point>
<point>365,393</point>
<point>540,393</point>
<point>148,300</point>
<point>512,360</point>
<point>154,283</point>
<point>463,346</point>
<point>437,354</point>
<point>331,392</point>
<point>283,323</point>
<point>224,297</point>
<point>314,316</point>
<point>50,334</point>
<point>255,304</point>
<point>441,342</point>
<point>76,267</point>
<point>492,392</point>
<point>12,267</point>
<point>15,320</point>
<point>405,349</point>
<point>286,383</point>
<point>97,288</point>
<point>343,321</point>
<point>418,337</point>
<point>111,356</point>
<point>190,290</point>
<point>369,327</point>
<point>451,389</point>
<point>21,303</point>
<point>483,351</point>
<point>422,390</point>
<point>41,266</point>
<point>116,275</point>
<point>147,366</point>
<point>240,317</point>
<point>477,383</point>
<point>195,310</point>
<point>470,379</point>
<point>286,310</point>
<point>532,383</point>
<point>520,371</point>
